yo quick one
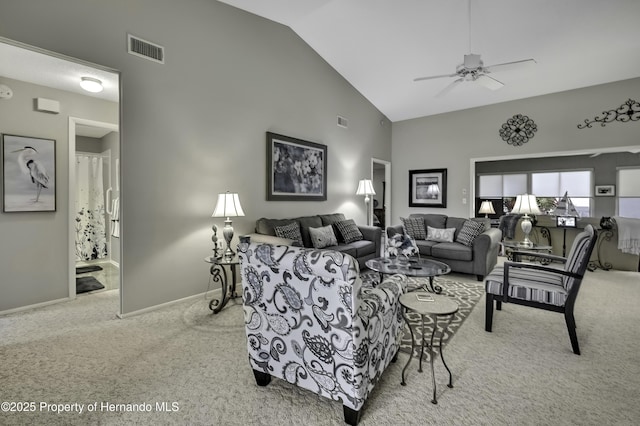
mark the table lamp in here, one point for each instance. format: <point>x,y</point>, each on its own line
<point>526,204</point>
<point>487,208</point>
<point>228,206</point>
<point>365,187</point>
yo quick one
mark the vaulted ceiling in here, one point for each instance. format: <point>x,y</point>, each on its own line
<point>380,46</point>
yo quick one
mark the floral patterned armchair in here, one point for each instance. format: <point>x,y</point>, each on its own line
<point>310,320</point>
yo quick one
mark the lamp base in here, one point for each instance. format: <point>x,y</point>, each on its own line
<point>227,232</point>
<point>526,228</point>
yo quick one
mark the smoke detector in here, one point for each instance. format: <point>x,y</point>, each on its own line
<point>5,92</point>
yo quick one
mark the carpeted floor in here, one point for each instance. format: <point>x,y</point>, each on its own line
<point>181,365</point>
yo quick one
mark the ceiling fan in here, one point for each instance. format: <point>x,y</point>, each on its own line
<point>473,69</point>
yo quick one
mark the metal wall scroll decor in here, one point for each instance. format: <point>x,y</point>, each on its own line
<point>628,111</point>
<point>518,130</point>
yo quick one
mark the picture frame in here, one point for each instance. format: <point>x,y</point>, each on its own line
<point>428,188</point>
<point>566,222</point>
<point>605,191</point>
<point>29,174</point>
<point>296,169</point>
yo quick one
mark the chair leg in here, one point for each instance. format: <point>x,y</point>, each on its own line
<point>351,416</point>
<point>262,378</point>
<point>571,327</point>
<point>498,305</point>
<point>488,319</point>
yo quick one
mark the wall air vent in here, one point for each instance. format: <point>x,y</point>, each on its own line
<point>145,49</point>
<point>342,122</point>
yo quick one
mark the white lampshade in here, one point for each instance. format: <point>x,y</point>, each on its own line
<point>486,207</point>
<point>365,187</point>
<point>228,205</point>
<point>433,190</point>
<point>526,204</point>
<point>92,85</point>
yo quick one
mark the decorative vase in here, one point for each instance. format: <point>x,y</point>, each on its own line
<point>606,223</point>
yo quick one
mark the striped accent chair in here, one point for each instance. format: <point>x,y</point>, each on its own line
<point>542,287</point>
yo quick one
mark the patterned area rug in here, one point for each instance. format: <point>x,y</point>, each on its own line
<point>466,294</point>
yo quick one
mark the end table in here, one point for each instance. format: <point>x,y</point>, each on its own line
<point>218,272</point>
<point>434,306</point>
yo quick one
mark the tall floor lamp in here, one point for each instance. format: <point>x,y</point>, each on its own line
<point>365,187</point>
<point>526,204</point>
<point>228,206</point>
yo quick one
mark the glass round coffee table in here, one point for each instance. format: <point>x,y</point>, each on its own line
<point>411,267</point>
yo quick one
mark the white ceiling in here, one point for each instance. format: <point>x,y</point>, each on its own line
<point>380,46</point>
<point>32,66</point>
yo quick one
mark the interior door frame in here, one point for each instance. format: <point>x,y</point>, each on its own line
<point>387,194</point>
<point>73,122</point>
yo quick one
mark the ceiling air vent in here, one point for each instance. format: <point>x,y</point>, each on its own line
<point>145,49</point>
<point>342,122</point>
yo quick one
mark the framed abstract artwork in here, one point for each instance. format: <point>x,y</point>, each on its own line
<point>296,169</point>
<point>428,188</point>
<point>29,170</point>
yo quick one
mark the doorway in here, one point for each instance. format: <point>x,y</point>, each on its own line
<point>94,193</point>
<point>381,178</point>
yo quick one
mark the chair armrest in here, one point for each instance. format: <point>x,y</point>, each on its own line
<point>370,233</point>
<point>539,255</point>
<point>532,266</point>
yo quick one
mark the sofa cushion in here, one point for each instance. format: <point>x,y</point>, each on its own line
<point>323,237</point>
<point>307,222</point>
<point>424,246</point>
<point>330,219</point>
<point>349,231</point>
<point>452,251</point>
<point>414,227</point>
<point>470,230</point>
<point>349,249</point>
<point>363,248</point>
<point>441,235</point>
<point>431,219</point>
<point>290,231</point>
<point>457,223</point>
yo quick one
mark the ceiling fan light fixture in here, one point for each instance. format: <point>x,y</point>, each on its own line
<point>91,84</point>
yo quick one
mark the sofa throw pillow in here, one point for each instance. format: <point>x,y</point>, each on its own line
<point>414,227</point>
<point>441,235</point>
<point>470,230</point>
<point>401,244</point>
<point>290,231</point>
<point>349,231</point>
<point>323,237</point>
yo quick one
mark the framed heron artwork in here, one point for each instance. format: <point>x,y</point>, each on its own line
<point>29,174</point>
<point>296,169</point>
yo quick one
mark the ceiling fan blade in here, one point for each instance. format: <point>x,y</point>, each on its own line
<point>449,87</point>
<point>489,82</point>
<point>434,76</point>
<point>509,65</point>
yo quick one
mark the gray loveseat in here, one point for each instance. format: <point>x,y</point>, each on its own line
<point>478,258</point>
<point>362,250</point>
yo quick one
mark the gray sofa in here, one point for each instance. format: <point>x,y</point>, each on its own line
<point>362,250</point>
<point>478,259</point>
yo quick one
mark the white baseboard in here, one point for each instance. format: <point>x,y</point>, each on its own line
<point>164,305</point>
<point>37,305</point>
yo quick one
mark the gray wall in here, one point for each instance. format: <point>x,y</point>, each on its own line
<point>195,126</point>
<point>451,140</point>
<point>34,246</point>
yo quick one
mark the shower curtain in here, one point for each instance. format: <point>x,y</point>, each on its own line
<point>91,239</point>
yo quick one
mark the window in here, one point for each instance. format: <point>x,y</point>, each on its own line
<point>507,185</point>
<point>575,184</point>
<point>629,192</point>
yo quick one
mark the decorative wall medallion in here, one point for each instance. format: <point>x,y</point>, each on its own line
<point>628,111</point>
<point>518,130</point>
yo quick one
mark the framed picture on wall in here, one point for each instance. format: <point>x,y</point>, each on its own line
<point>29,174</point>
<point>605,190</point>
<point>296,169</point>
<point>428,188</point>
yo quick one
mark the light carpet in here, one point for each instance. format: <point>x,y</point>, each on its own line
<point>523,373</point>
